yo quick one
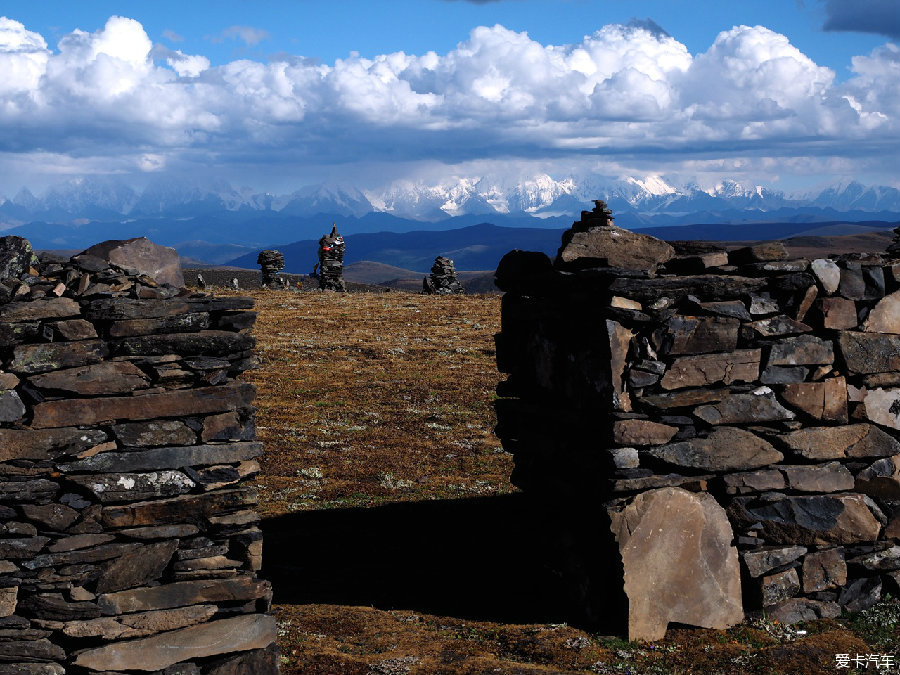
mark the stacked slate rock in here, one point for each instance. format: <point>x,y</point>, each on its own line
<point>271,262</point>
<point>128,540</point>
<point>442,280</point>
<point>735,411</point>
<point>331,261</point>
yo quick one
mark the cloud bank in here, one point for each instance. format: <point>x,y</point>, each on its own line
<point>112,101</point>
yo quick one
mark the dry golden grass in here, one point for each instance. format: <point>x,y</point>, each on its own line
<point>367,400</point>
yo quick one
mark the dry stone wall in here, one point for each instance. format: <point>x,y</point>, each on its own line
<point>128,539</point>
<point>732,417</point>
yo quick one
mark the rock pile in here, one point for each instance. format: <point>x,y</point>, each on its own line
<point>271,262</point>
<point>128,540</point>
<point>442,280</point>
<point>331,261</point>
<point>738,393</point>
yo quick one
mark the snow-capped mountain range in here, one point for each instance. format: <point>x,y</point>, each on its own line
<point>636,201</point>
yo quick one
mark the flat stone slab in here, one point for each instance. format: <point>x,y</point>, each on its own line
<point>240,633</point>
<point>741,365</point>
<point>613,246</point>
<point>725,449</point>
<point>703,588</point>
<point>161,263</point>
<point>855,440</point>
<point>757,406</point>
<point>868,353</point>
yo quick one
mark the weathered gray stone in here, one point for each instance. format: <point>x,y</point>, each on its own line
<point>253,662</point>
<point>704,589</point>
<point>624,458</point>
<point>700,334</point>
<point>11,406</point>
<point>855,440</point>
<point>783,374</point>
<point>41,358</point>
<point>180,323</point>
<point>16,257</point>
<point>725,449</point>
<point>733,308</point>
<point>881,479</point>
<point>155,433</point>
<point>160,263</point>
<point>831,477</point>
<point>161,532</point>
<point>683,399</point>
<point>642,432</point>
<point>223,427</point>
<point>860,594</point>
<point>867,353</point>
<point>887,560</point>
<point>79,556</point>
<point>762,560</point>
<point>56,517</point>
<point>21,549</point>
<point>30,650</point>
<point>777,326</point>
<point>120,487</point>
<point>828,274</point>
<point>741,365</point>
<point>176,509</point>
<point>803,350</point>
<point>39,309</point>
<point>199,401</point>
<point>241,633</point>
<point>108,377</point>
<point>165,458</point>
<point>40,444</point>
<point>183,594</point>
<point>797,610</point>
<point>136,567</point>
<point>814,520</point>
<point>778,587</point>
<point>78,541</point>
<point>826,400</point>
<point>211,342</point>
<point>883,407</point>
<point>140,624</point>
<point>613,246</point>
<point>764,480</point>
<point>709,287</point>
<point>122,308</point>
<point>757,406</point>
<point>28,490</point>
<point>761,305</point>
<point>52,607</point>
<point>823,570</point>
<point>31,669</point>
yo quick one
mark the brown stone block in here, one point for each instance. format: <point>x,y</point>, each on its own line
<point>186,508</point>
<point>107,377</point>
<point>41,358</point>
<point>825,400</point>
<point>183,594</point>
<point>237,634</point>
<point>136,567</point>
<point>831,477</point>
<point>741,365</point>
<point>700,335</point>
<point>855,440</point>
<point>40,309</point>
<point>839,313</point>
<point>642,432</point>
<point>703,588</point>
<point>823,570</point>
<point>725,449</point>
<point>140,624</point>
<point>222,398</point>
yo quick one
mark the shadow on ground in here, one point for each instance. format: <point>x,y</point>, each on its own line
<point>474,558</point>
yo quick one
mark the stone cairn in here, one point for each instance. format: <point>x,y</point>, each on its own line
<point>271,262</point>
<point>331,261</point>
<point>442,280</point>
<point>736,412</point>
<point>128,540</point>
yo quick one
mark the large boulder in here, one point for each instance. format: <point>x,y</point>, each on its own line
<point>16,257</point>
<point>679,563</point>
<point>140,254</point>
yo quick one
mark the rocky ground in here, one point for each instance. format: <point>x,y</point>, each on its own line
<point>396,542</point>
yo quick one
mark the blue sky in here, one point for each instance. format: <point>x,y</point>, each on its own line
<point>280,94</point>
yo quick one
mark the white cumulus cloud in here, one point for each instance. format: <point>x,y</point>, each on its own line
<point>499,94</point>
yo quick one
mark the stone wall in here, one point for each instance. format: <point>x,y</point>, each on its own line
<point>128,540</point>
<point>730,419</point>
